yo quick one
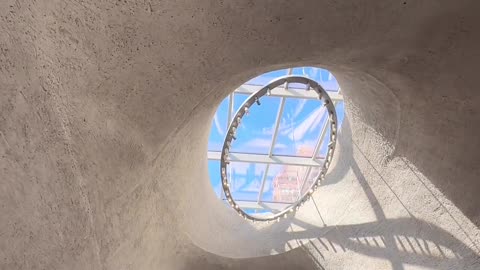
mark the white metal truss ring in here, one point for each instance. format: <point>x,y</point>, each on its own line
<point>231,135</point>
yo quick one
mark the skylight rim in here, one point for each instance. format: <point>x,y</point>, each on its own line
<point>235,122</point>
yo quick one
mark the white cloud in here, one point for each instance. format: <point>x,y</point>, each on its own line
<point>261,144</point>
<point>282,127</point>
<point>299,108</point>
<point>285,127</point>
<point>309,143</point>
<point>217,125</point>
<point>267,131</point>
<point>241,168</point>
<point>309,124</point>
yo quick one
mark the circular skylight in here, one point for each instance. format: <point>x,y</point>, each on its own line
<point>271,143</point>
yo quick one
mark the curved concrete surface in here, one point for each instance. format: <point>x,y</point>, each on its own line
<point>105,109</point>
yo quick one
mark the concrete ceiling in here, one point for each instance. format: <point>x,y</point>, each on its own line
<point>105,110</point>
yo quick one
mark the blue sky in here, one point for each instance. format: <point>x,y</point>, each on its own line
<point>300,126</point>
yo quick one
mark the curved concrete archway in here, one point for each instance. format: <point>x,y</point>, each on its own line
<point>105,112</point>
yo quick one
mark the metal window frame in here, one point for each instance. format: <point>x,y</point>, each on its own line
<point>279,89</point>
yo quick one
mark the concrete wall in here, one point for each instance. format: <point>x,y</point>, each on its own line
<point>105,109</point>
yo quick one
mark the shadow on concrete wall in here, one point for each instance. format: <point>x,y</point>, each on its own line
<point>399,240</point>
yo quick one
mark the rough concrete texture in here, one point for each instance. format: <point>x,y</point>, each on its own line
<point>105,109</point>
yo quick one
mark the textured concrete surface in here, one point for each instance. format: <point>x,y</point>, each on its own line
<point>105,109</point>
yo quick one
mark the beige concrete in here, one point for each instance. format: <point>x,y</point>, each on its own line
<point>105,109</point>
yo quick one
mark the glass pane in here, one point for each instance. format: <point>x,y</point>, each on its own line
<point>340,109</point>
<point>298,133</point>
<point>283,183</point>
<point>219,127</point>
<point>238,100</point>
<point>258,212</point>
<point>328,81</point>
<point>300,127</point>
<point>310,72</point>
<point>310,179</point>
<point>215,180</point>
<point>267,77</point>
<point>321,76</point>
<point>324,146</point>
<point>300,71</point>
<point>250,211</point>
<point>254,135</point>
<point>267,195</point>
<point>245,180</point>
